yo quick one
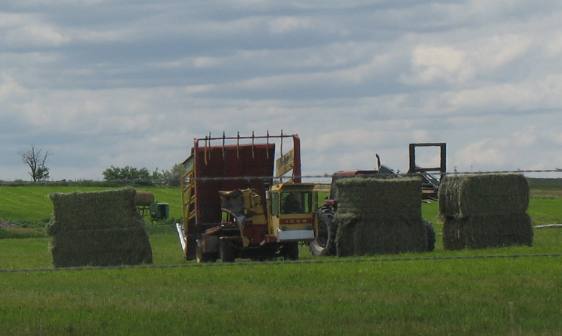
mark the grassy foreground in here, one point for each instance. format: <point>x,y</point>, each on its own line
<point>470,297</point>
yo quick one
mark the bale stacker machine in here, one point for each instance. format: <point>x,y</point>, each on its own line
<point>235,207</point>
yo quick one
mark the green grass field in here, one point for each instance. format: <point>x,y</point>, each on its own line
<point>370,295</point>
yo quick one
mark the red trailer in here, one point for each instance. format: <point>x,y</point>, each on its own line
<point>219,164</point>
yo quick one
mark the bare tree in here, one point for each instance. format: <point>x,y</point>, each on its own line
<point>36,161</point>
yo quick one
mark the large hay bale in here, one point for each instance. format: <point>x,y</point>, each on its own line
<point>484,194</point>
<point>487,231</point>
<point>98,229</point>
<point>379,216</point>
<point>94,210</point>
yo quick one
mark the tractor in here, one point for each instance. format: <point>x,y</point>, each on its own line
<point>233,209</point>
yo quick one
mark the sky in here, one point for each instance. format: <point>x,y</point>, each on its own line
<point>99,83</point>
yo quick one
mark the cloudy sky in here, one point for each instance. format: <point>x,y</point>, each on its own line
<point>100,82</point>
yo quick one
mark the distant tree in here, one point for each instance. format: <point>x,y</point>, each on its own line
<point>36,161</point>
<point>144,176</point>
<point>126,173</point>
<point>172,177</point>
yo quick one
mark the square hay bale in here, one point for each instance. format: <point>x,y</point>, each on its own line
<point>380,196</point>
<point>487,231</point>
<point>123,246</point>
<point>94,210</point>
<point>379,216</point>
<point>484,194</point>
<point>98,229</point>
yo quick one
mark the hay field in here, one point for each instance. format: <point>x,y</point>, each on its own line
<point>377,295</point>
<point>31,206</point>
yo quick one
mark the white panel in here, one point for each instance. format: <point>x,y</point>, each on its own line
<point>295,235</point>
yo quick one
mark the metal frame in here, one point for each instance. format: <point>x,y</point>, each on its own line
<point>442,169</point>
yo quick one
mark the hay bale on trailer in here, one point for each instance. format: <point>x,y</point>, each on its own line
<point>485,211</point>
<point>379,216</point>
<point>98,229</point>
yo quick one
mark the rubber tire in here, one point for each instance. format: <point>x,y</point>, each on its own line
<point>430,235</point>
<point>191,247</point>
<point>226,251</point>
<point>201,257</point>
<point>326,219</point>
<point>291,251</point>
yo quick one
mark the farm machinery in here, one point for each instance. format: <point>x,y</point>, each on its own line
<point>325,225</point>
<point>233,209</point>
<point>236,203</point>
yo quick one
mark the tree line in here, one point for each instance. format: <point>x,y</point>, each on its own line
<point>143,176</point>
<point>36,161</point>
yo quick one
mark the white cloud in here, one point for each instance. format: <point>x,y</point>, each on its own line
<point>29,31</point>
<point>10,88</point>
<point>440,64</point>
<point>288,24</point>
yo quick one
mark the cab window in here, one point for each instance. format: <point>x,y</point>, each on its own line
<point>293,202</point>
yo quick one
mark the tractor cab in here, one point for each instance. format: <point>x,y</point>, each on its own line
<point>292,207</point>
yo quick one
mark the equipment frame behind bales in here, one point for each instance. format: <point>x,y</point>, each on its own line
<point>430,184</point>
<point>235,163</point>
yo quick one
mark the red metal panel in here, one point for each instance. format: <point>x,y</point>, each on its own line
<point>229,161</point>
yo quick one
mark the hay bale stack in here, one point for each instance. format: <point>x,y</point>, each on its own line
<point>379,216</point>
<point>98,229</point>
<point>144,198</point>
<point>481,195</point>
<point>486,210</point>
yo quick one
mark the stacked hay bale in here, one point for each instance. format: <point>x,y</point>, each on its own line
<point>487,210</point>
<point>98,229</point>
<point>379,216</point>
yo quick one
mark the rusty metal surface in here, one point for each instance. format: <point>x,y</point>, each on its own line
<point>229,161</point>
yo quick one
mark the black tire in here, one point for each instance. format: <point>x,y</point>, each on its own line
<point>201,257</point>
<point>430,235</point>
<point>226,251</point>
<point>191,247</point>
<point>324,242</point>
<point>291,251</point>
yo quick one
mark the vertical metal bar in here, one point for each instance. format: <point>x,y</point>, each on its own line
<point>281,152</point>
<point>281,143</point>
<point>223,141</point>
<point>238,145</point>
<point>267,143</point>
<point>297,159</point>
<point>253,153</point>
<point>443,159</point>
<point>412,158</point>
<point>210,149</point>
<point>205,152</point>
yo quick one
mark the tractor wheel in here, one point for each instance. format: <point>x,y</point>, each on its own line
<point>324,244</point>
<point>226,251</point>
<point>191,248</point>
<point>202,257</point>
<point>430,232</point>
<point>291,251</point>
